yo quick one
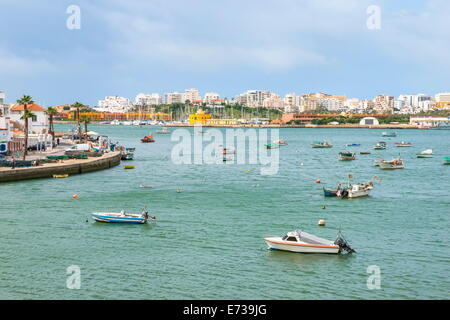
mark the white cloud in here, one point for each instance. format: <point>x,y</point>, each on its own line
<point>14,65</point>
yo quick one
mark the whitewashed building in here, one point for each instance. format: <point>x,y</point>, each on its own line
<point>38,124</point>
<point>148,99</point>
<point>114,104</point>
<point>175,97</point>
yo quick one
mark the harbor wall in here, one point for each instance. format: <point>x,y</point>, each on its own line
<point>71,167</point>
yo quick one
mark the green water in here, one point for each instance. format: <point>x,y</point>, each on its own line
<point>208,241</point>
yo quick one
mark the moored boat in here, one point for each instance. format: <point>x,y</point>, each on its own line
<point>127,155</point>
<point>380,145</point>
<point>446,161</point>
<point>389,134</point>
<point>425,154</point>
<point>324,144</point>
<point>365,152</point>
<point>353,145</point>
<point>346,156</point>
<point>403,144</point>
<point>60,175</point>
<point>392,165</point>
<point>330,192</point>
<point>302,242</point>
<point>148,139</point>
<point>122,217</point>
<point>270,146</point>
<point>356,190</point>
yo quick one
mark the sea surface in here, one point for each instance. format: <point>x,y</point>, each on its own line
<point>208,239</point>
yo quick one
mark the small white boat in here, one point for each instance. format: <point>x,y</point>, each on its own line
<point>355,191</point>
<point>115,122</point>
<point>122,217</point>
<point>127,123</point>
<point>392,165</point>
<point>302,242</point>
<point>425,154</point>
<point>280,142</point>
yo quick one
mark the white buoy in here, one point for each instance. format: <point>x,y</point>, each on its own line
<point>321,223</point>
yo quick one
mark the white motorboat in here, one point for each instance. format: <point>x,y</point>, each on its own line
<point>122,217</point>
<point>115,122</point>
<point>425,154</point>
<point>355,190</point>
<point>392,165</point>
<point>302,242</point>
<point>127,123</point>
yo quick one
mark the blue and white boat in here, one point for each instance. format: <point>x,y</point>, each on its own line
<point>353,145</point>
<point>122,217</point>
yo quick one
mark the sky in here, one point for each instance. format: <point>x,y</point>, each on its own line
<point>158,46</point>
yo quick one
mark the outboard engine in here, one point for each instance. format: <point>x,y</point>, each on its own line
<point>343,244</point>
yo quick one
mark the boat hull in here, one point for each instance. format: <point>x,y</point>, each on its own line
<point>329,193</point>
<point>390,167</point>
<point>276,244</point>
<point>117,219</point>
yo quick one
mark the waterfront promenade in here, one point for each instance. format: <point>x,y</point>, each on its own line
<point>71,166</point>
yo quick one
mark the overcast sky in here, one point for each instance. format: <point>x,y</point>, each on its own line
<point>127,47</point>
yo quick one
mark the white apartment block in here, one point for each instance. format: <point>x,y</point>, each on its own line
<point>443,97</point>
<point>211,97</point>
<point>273,102</point>
<point>192,95</point>
<point>148,99</point>
<point>383,103</point>
<point>114,104</point>
<point>253,98</point>
<point>175,97</point>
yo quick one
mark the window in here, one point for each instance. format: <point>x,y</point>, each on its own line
<point>291,239</point>
<point>34,118</point>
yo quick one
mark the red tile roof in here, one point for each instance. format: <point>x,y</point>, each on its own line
<point>31,107</point>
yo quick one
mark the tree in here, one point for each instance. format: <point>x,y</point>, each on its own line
<point>78,106</point>
<point>51,112</point>
<point>27,114</point>
<point>86,120</point>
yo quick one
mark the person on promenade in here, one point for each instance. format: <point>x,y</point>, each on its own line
<point>13,163</point>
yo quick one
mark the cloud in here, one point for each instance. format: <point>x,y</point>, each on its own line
<point>14,65</point>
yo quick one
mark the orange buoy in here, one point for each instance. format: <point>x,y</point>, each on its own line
<point>318,181</point>
<point>75,196</point>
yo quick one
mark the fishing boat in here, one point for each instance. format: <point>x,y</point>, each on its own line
<point>380,145</point>
<point>270,146</point>
<point>356,190</point>
<point>325,144</point>
<point>148,139</point>
<point>164,130</point>
<point>403,144</point>
<point>127,155</point>
<point>346,156</point>
<point>60,175</point>
<point>302,242</point>
<point>446,161</point>
<point>392,165</point>
<point>425,154</point>
<point>353,145</point>
<point>122,217</point>
<point>280,142</point>
<point>389,134</point>
<point>330,192</point>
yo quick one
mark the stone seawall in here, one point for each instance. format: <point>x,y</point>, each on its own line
<point>67,167</point>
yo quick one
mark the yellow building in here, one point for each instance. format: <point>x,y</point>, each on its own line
<point>199,118</point>
<point>442,105</point>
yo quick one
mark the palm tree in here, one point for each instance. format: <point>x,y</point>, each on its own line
<point>51,112</point>
<point>86,120</point>
<point>78,106</point>
<point>25,101</point>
